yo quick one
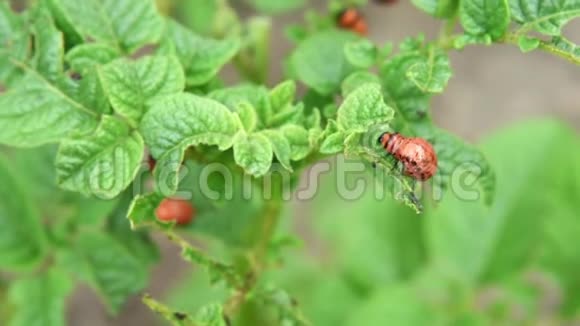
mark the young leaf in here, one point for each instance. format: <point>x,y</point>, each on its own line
<point>248,116</point>
<point>254,154</point>
<point>280,146</point>
<point>438,8</point>
<point>86,56</point>
<point>319,61</point>
<point>177,122</point>
<point>528,44</point>
<point>107,266</point>
<point>21,236</point>
<point>132,85</point>
<point>103,163</point>
<point>257,96</point>
<point>282,95</point>
<point>410,102</point>
<point>363,108</point>
<point>362,53</point>
<point>125,24</point>
<point>333,143</point>
<point>357,79</point>
<point>299,140</point>
<point>432,74</point>
<point>41,300</point>
<point>201,58</point>
<point>485,17</point>
<point>547,17</point>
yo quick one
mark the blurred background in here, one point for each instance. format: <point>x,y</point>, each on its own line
<point>378,263</point>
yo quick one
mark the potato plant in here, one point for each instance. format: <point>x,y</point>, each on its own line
<point>114,118</point>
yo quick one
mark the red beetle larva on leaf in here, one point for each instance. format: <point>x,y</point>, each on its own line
<point>175,210</point>
<point>416,154</point>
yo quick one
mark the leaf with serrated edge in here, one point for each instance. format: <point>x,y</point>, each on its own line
<point>103,163</point>
<point>130,85</point>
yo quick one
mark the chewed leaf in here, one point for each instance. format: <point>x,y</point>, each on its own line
<point>432,74</point>
<point>363,108</point>
<point>142,210</point>
<point>103,163</point>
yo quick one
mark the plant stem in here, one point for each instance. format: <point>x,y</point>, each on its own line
<point>513,38</point>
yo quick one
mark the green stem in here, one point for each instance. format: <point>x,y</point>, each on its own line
<point>513,38</point>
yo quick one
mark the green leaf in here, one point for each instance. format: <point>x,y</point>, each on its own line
<point>212,315</point>
<point>14,43</point>
<point>139,243</point>
<point>276,7</point>
<point>438,8</point>
<point>41,301</point>
<point>208,17</point>
<point>86,56</point>
<point>48,45</point>
<point>399,305</point>
<point>299,140</point>
<point>103,163</point>
<point>544,16</point>
<point>357,79</point>
<point>334,143</point>
<point>254,154</point>
<point>257,96</point>
<point>474,243</point>
<point>142,210</point>
<point>202,58</point>
<point>177,122</point>
<point>528,44</point>
<point>107,266</point>
<point>485,17</point>
<point>125,24</point>
<point>282,95</point>
<point>280,146</point>
<point>363,108</point>
<point>432,74</point>
<point>563,46</point>
<point>410,102</point>
<point>21,235</point>
<point>362,53</point>
<point>456,158</point>
<point>131,86</point>
<point>248,116</point>
<point>319,61</point>
<point>35,113</point>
